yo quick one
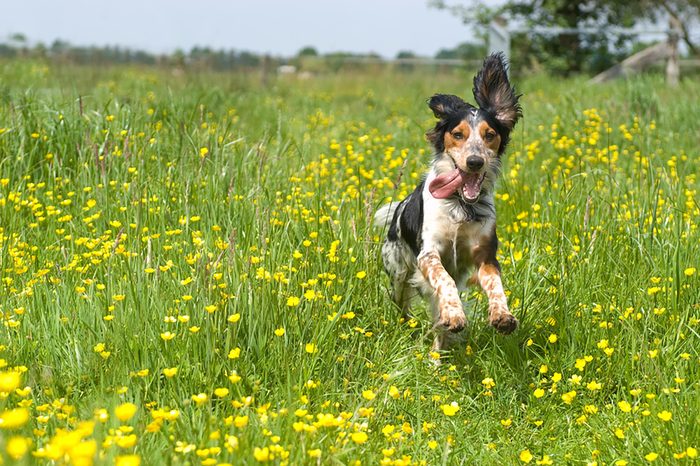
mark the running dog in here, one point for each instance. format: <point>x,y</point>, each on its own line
<point>446,227</point>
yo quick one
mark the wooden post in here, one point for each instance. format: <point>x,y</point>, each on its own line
<point>672,66</point>
<point>499,36</point>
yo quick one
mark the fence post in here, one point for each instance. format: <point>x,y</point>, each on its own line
<point>672,66</point>
<point>499,37</point>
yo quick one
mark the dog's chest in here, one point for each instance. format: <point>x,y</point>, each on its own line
<point>454,236</point>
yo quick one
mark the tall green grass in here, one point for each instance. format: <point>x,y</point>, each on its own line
<point>204,222</point>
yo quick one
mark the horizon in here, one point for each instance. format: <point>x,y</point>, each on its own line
<point>267,27</point>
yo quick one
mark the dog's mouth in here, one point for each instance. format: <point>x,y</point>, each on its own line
<point>467,184</point>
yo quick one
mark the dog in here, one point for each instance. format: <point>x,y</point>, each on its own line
<point>446,227</point>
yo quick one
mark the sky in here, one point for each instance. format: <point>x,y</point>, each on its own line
<point>277,27</point>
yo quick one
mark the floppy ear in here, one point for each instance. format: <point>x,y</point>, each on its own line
<point>444,105</point>
<point>493,92</point>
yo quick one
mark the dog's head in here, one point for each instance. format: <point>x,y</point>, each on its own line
<point>469,140</point>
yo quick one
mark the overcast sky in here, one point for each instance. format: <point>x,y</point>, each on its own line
<point>278,27</point>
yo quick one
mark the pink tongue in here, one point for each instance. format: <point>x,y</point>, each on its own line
<point>446,184</point>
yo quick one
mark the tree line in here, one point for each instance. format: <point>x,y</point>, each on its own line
<point>61,51</point>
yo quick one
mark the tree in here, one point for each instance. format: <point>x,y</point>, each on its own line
<point>308,52</point>
<point>685,12</point>
<point>464,51</point>
<point>572,52</point>
<point>407,56</point>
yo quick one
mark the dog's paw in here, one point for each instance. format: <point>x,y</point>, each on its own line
<point>452,319</point>
<point>503,321</point>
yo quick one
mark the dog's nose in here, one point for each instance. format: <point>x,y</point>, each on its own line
<point>474,162</point>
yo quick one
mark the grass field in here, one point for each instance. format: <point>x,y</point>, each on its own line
<point>190,276</point>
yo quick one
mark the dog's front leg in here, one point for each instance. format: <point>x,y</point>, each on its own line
<point>449,314</point>
<point>489,275</point>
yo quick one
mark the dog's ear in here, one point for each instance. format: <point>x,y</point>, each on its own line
<point>444,105</point>
<point>493,92</point>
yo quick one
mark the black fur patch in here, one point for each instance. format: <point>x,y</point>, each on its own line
<point>410,215</point>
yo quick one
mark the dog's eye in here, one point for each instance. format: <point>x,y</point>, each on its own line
<point>489,136</point>
<point>457,135</point>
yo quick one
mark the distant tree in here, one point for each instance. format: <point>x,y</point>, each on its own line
<point>569,53</point>
<point>403,55</point>
<point>247,59</point>
<point>686,12</point>
<point>39,50</point>
<point>18,40</point>
<point>178,58</point>
<point>464,51</point>
<point>308,52</point>
<point>59,47</point>
<point>7,51</point>
<point>406,54</point>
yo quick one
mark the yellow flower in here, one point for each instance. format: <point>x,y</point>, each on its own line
<point>9,381</point>
<point>359,437</point>
<point>17,447</point>
<point>279,331</point>
<point>651,456</point>
<point>101,415</point>
<point>691,452</point>
<point>14,418</point>
<point>539,393</point>
<point>450,409</point>
<point>689,272</point>
<point>125,411</point>
<point>624,406</point>
<point>200,398</point>
<point>394,392</point>
<point>234,353</point>
<point>593,385</point>
<point>170,372</point>
<point>568,397</point>
<point>167,336</point>
<point>234,377</point>
<point>203,151</point>
<point>488,383</point>
<point>525,456</point>
<point>368,395</point>
<point>233,318</point>
<point>126,441</point>
<point>665,416</point>
<point>240,421</point>
<point>361,274</point>
<point>310,348</point>
<point>221,392</point>
<point>262,454</point>
<point>127,460</point>
<point>293,301</point>
<point>553,338</point>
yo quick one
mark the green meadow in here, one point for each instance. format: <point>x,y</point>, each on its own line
<point>189,274</point>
